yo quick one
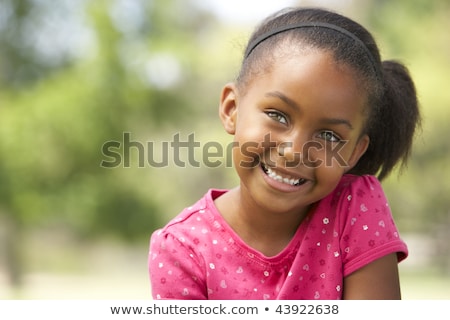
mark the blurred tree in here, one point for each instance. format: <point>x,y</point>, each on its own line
<point>55,115</point>
<point>415,32</point>
<point>138,66</point>
<point>32,40</point>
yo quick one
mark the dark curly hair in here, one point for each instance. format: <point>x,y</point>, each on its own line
<point>392,111</point>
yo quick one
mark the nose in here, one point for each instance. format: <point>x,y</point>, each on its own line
<point>292,153</point>
<point>299,151</point>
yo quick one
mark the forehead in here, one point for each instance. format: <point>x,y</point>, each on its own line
<point>313,78</point>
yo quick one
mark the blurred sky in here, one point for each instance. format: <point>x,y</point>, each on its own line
<point>67,22</point>
<point>245,11</point>
<point>252,11</point>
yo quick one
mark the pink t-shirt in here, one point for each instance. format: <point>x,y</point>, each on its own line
<point>198,256</point>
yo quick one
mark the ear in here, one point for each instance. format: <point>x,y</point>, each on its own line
<point>228,107</point>
<point>360,149</point>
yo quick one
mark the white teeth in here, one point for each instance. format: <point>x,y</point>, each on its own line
<point>274,176</point>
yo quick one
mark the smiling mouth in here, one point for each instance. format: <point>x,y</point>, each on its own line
<point>283,179</point>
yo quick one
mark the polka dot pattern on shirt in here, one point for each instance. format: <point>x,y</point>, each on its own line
<point>198,256</point>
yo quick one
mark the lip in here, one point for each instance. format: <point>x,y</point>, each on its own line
<point>283,186</point>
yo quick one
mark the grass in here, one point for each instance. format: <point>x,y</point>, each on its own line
<point>114,271</point>
<point>424,286</point>
<point>133,284</point>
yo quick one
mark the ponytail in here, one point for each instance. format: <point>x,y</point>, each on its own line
<point>392,108</point>
<point>392,128</point>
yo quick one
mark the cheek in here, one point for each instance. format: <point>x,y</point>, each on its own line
<point>246,154</point>
<point>249,136</point>
<point>247,148</point>
<point>332,166</point>
<point>317,154</point>
<point>338,156</point>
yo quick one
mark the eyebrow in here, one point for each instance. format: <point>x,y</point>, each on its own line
<point>291,103</point>
<point>284,98</point>
<point>336,121</point>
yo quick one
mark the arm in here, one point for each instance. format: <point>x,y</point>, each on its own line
<point>379,280</point>
<point>370,243</point>
<point>175,273</point>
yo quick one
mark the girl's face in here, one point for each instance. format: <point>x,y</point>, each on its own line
<point>297,130</point>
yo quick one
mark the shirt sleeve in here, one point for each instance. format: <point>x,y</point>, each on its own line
<point>368,228</point>
<point>175,272</point>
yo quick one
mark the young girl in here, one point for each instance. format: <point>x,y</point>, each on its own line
<point>315,115</point>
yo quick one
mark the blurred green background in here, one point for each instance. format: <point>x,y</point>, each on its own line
<point>75,75</point>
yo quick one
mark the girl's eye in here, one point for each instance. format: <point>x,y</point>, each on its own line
<point>277,116</point>
<point>329,136</point>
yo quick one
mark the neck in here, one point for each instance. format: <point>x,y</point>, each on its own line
<point>266,231</point>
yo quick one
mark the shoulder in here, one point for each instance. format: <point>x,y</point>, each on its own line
<point>359,202</point>
<point>354,195</point>
<point>192,222</point>
<point>353,188</point>
<point>364,182</point>
<point>365,221</point>
<point>357,195</point>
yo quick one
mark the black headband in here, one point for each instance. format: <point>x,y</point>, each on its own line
<point>343,31</point>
